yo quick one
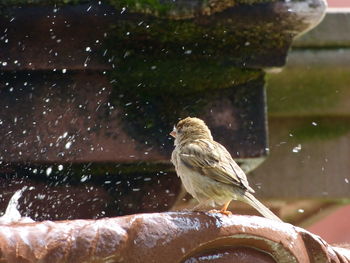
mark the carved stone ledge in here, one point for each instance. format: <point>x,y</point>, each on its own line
<point>165,237</point>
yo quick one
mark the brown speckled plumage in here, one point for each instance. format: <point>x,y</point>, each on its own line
<point>207,169</point>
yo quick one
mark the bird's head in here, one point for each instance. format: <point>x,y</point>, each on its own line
<point>190,129</point>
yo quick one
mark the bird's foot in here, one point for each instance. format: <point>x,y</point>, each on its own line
<point>224,212</point>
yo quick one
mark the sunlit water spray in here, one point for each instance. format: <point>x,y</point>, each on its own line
<point>12,214</point>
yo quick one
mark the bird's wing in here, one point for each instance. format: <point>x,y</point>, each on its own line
<point>213,160</point>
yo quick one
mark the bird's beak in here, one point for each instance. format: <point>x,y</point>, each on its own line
<point>173,133</point>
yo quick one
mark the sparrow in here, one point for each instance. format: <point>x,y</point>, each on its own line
<point>207,170</point>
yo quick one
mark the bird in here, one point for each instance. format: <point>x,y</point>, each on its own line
<point>208,171</point>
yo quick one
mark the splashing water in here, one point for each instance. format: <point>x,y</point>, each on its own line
<point>12,214</point>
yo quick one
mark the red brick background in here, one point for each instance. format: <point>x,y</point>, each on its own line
<point>338,3</point>
<point>336,221</point>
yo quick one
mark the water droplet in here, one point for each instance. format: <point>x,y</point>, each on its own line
<point>297,148</point>
<point>68,145</point>
<point>48,171</point>
<point>84,178</point>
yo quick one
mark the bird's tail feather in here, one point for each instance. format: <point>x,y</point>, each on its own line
<point>251,200</point>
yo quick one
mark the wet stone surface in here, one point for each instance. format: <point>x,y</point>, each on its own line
<point>79,118</point>
<point>83,191</point>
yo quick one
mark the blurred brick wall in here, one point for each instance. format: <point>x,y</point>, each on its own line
<point>338,3</point>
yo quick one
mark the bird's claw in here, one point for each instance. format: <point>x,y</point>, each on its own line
<point>224,212</point>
